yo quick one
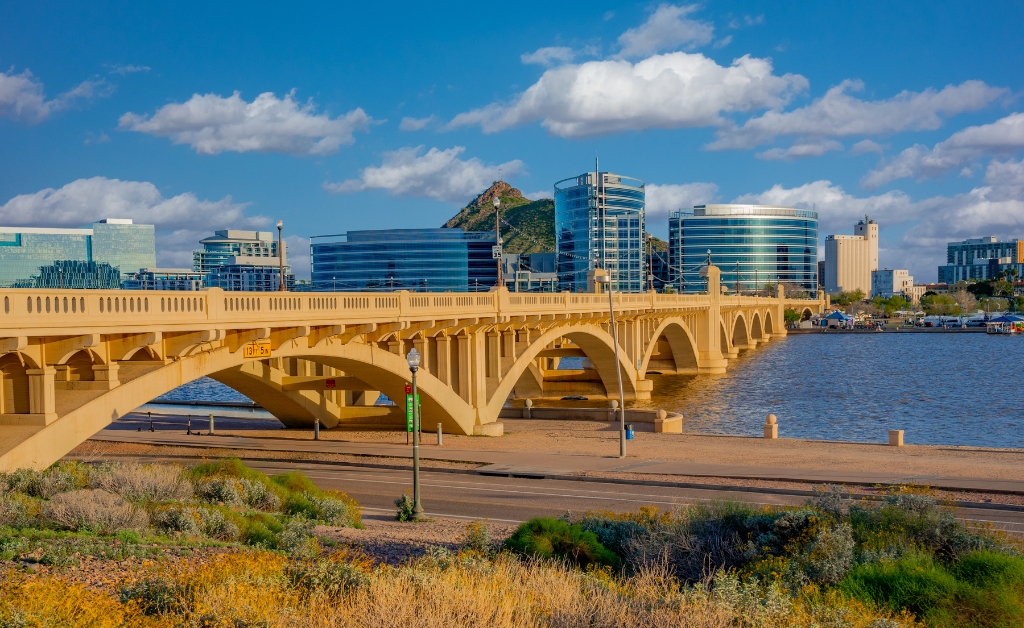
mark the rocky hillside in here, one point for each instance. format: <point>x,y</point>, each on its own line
<point>532,222</point>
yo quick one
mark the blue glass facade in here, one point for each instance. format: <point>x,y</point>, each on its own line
<point>751,244</point>
<point>599,223</point>
<point>75,258</point>
<point>423,260</point>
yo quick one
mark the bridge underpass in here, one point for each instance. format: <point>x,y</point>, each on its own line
<point>73,361</point>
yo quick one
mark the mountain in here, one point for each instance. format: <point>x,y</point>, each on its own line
<point>526,226</point>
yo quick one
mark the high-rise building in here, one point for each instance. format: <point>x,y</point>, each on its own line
<point>233,259</point>
<point>850,259</point>
<point>599,223</point>
<point>980,259</point>
<point>97,256</point>
<point>424,260</point>
<point>753,245</point>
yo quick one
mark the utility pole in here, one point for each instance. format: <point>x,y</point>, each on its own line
<point>736,283</point>
<point>280,255</point>
<point>497,235</point>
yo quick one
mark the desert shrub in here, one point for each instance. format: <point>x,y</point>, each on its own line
<point>258,495</point>
<point>477,538</point>
<point>261,530</point>
<point>405,506</point>
<point>194,521</point>
<point>330,510</point>
<point>155,595</point>
<point>143,483</point>
<point>94,510</point>
<point>329,577</point>
<point>551,538</point>
<point>617,534</point>
<point>297,538</point>
<point>61,477</point>
<point>223,490</point>
<point>20,511</point>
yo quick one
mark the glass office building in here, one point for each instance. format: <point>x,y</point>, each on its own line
<point>98,256</point>
<point>423,260</point>
<point>599,223</point>
<point>233,259</point>
<point>752,245</point>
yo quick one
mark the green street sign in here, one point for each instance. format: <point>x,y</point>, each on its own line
<point>408,411</point>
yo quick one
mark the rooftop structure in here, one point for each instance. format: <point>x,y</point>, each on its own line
<point>850,259</point>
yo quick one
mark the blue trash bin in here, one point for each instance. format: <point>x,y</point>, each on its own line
<point>629,431</point>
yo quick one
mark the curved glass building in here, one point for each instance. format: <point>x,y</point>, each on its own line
<point>599,223</point>
<point>751,244</point>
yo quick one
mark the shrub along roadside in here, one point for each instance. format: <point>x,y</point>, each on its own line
<point>552,538</point>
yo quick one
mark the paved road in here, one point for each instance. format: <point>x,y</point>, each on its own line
<point>473,496</point>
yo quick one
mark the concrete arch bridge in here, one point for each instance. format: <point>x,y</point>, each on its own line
<point>73,361</point>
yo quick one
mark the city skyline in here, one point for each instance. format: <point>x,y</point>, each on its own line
<point>235,119</point>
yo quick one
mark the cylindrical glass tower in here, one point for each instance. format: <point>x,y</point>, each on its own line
<point>752,245</point>
<point>599,223</point>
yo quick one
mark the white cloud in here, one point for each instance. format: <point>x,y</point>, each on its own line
<point>662,199</point>
<point>668,28</point>
<point>800,150</point>
<point>438,174</point>
<point>664,91</point>
<point>212,124</point>
<point>415,124</point>
<point>176,219</point>
<point>866,146</point>
<point>297,256</point>
<point>536,196</point>
<point>723,42</point>
<point>837,114</point>
<point>1002,137</point>
<point>124,70</point>
<point>22,97</point>
<point>551,55</point>
<point>921,229</point>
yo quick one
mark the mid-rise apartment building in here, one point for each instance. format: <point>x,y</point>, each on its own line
<point>980,259</point>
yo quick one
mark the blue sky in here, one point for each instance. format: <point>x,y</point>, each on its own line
<point>336,117</point>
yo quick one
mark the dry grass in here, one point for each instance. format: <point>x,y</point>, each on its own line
<point>96,511</point>
<point>439,591</point>
<point>137,483</point>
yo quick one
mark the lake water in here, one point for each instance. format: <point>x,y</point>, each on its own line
<point>940,388</point>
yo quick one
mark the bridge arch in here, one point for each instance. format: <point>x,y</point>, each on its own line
<point>681,344</point>
<point>769,323</point>
<point>740,332</point>
<point>595,343</point>
<point>756,331</point>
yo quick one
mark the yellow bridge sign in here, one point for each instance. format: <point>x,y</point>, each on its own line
<point>257,349</point>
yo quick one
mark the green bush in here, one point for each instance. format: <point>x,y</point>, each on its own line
<point>405,506</point>
<point>551,538</point>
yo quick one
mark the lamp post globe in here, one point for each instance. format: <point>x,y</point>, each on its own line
<point>413,359</point>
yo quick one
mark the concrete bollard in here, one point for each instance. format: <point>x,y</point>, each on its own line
<point>527,408</point>
<point>613,406</point>
<point>439,441</point>
<point>316,428</point>
<point>895,438</point>
<point>771,427</point>
<point>211,425</point>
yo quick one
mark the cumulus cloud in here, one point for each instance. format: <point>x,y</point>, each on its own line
<point>668,28</point>
<point>922,228</point>
<point>664,91</point>
<point>415,124</point>
<point>212,124</point>
<point>866,146</point>
<point>22,97</point>
<point>662,199</point>
<point>838,114</point>
<point>1001,137</point>
<point>176,218</point>
<point>438,174</point>
<point>723,42</point>
<point>536,196</point>
<point>800,150</point>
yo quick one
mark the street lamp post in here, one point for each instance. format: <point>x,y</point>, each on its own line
<point>280,254</point>
<point>414,364</point>
<point>497,233</point>
<point>606,279</point>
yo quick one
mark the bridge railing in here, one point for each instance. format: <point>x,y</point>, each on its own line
<point>30,309</point>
